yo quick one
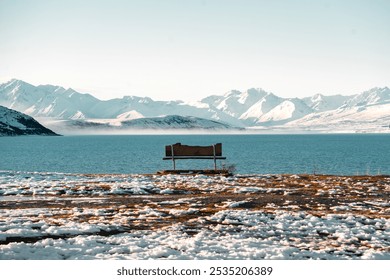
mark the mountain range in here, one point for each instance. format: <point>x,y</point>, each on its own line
<point>254,108</point>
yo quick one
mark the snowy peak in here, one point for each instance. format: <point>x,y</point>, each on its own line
<point>45,100</point>
<point>321,103</point>
<point>51,88</point>
<point>19,95</point>
<point>137,99</point>
<point>16,84</point>
<point>251,96</point>
<point>235,103</point>
<point>130,115</point>
<point>371,97</point>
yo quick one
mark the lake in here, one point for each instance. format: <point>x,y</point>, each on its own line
<point>348,154</point>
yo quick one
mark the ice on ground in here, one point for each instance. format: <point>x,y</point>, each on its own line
<point>231,234</point>
<point>119,216</point>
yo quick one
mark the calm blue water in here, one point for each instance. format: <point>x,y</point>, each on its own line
<point>348,154</point>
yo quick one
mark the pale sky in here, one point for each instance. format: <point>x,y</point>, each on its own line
<point>175,49</point>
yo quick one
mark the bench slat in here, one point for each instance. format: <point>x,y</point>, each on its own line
<point>193,157</point>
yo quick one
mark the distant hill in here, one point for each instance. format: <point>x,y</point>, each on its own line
<point>13,123</point>
<point>166,123</point>
<point>176,122</point>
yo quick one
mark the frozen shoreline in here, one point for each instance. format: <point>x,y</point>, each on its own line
<point>76,216</point>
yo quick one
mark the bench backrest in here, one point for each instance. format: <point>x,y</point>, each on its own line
<point>185,150</point>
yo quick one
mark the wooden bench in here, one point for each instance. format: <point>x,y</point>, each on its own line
<point>179,151</point>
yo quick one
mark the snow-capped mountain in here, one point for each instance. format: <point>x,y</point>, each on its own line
<point>375,118</point>
<point>321,103</point>
<point>365,112</point>
<point>374,96</point>
<point>45,101</point>
<point>235,103</point>
<point>258,107</point>
<point>274,110</point>
<point>14,123</point>
<point>261,107</point>
<point>252,108</point>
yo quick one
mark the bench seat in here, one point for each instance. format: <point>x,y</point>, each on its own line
<point>193,157</point>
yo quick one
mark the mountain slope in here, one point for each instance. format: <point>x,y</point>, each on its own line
<point>14,123</point>
<point>260,108</point>
<point>321,103</point>
<point>286,111</point>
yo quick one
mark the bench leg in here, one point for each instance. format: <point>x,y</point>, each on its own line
<point>215,164</point>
